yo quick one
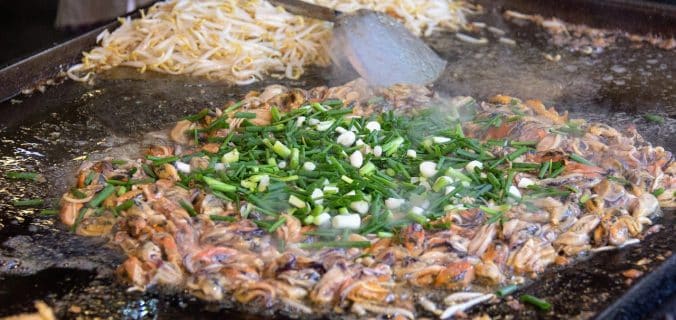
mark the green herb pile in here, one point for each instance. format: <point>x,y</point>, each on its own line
<point>368,175</point>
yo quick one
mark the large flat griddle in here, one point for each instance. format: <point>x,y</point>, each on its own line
<point>47,132</point>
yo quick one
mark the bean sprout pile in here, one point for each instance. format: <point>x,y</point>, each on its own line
<point>243,41</point>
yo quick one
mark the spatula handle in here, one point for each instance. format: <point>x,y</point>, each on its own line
<point>309,10</point>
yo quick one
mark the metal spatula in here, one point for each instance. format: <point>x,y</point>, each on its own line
<point>378,47</point>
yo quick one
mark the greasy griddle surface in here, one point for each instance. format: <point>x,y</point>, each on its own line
<point>39,259</point>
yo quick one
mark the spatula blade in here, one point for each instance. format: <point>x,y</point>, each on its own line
<point>383,51</point>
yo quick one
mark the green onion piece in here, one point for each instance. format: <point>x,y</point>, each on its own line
<point>317,107</point>
<point>49,212</point>
<point>277,224</point>
<point>245,115</point>
<point>14,175</point>
<point>149,172</point>
<point>584,198</point>
<point>580,159</point>
<point>333,103</point>
<point>544,168</point>
<point>294,162</point>
<point>385,234</point>
<point>654,118</point>
<point>219,185</point>
<point>281,149</point>
<point>195,117</point>
<point>234,106</point>
<point>286,179</point>
<point>619,180</point>
<point>558,171</point>
<point>78,219</point>
<point>77,193</point>
<point>28,202</point>
<point>392,146</point>
<point>118,162</point>
<point>517,153</point>
<point>335,244</point>
<point>101,196</point>
<point>296,202</point>
<point>505,291</point>
<point>214,217</point>
<point>422,220</point>
<point>367,169</point>
<point>539,303</point>
<point>453,173</point>
<point>142,181</point>
<point>441,183</point>
<point>658,192</point>
<point>231,157</point>
<point>124,206</point>
<point>336,165</point>
<point>188,207</point>
<point>117,182</point>
<point>89,178</point>
<point>161,160</point>
<point>275,114</point>
<point>523,143</point>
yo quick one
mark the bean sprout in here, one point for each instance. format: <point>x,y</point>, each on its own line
<point>243,41</point>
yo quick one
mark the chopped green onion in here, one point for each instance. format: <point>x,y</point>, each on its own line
<point>558,171</point>
<point>276,115</point>
<point>280,149</point>
<point>335,244</point>
<point>420,219</point>
<point>367,169</point>
<point>187,207</point>
<point>89,178</point>
<point>77,193</point>
<point>234,107</point>
<point>14,175</point>
<point>333,103</point>
<point>149,172</point>
<point>195,117</point>
<point>517,153</point>
<point>124,206</point>
<point>78,219</point>
<point>117,182</point>
<point>294,162</point>
<point>101,196</point>
<point>539,303</point>
<point>49,212</point>
<point>392,146</point>
<point>276,225</point>
<point>384,234</point>
<point>161,160</point>
<point>658,192</point>
<point>505,291</point>
<point>219,185</point>
<point>580,159</point>
<point>544,168</point>
<point>214,217</point>
<point>28,202</point>
<point>245,115</point>
<point>297,202</point>
<point>654,118</point>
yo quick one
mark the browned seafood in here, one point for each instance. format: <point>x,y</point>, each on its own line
<point>575,187</point>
